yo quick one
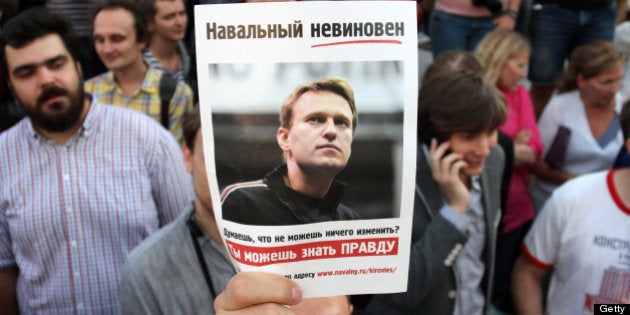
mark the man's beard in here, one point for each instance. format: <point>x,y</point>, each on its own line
<point>62,118</point>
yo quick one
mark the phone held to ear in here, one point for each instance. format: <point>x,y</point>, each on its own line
<point>428,134</point>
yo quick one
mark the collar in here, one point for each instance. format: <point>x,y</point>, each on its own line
<point>275,181</point>
<point>150,83</point>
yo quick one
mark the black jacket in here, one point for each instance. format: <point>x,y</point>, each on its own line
<point>270,202</point>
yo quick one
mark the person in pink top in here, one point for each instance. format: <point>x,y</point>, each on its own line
<point>504,55</point>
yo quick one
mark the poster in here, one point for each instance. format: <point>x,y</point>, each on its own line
<point>250,58</point>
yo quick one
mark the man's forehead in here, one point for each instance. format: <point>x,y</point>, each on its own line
<point>322,97</point>
<point>37,51</point>
<point>114,18</point>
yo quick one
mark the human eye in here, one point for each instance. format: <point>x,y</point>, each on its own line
<point>315,119</point>
<point>99,39</point>
<point>468,137</point>
<point>57,63</point>
<point>24,72</point>
<point>342,123</point>
<point>117,38</point>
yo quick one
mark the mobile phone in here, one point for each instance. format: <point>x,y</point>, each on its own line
<point>428,134</point>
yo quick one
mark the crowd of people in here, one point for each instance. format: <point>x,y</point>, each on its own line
<point>521,205</point>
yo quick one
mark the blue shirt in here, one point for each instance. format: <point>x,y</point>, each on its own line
<point>70,213</point>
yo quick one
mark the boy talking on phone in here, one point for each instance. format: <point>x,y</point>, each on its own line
<point>457,202</point>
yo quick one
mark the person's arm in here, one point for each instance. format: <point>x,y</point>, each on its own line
<point>8,296</point>
<point>526,287</point>
<point>510,15</point>
<point>171,184</point>
<point>440,239</point>
<point>523,153</point>
<point>137,295</point>
<point>543,171</point>
<point>529,134</point>
<point>258,293</point>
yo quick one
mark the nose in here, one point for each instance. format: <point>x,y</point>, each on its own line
<point>330,130</point>
<point>107,47</point>
<point>484,145</point>
<point>45,76</point>
<point>181,19</point>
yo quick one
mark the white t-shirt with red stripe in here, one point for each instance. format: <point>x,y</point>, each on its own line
<point>584,233</point>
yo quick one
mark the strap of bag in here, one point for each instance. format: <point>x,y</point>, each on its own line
<point>167,89</point>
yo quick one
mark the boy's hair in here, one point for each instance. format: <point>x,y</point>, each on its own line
<point>33,23</point>
<point>458,101</point>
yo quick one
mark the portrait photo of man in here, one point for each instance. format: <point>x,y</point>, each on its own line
<point>359,165</point>
<point>317,123</point>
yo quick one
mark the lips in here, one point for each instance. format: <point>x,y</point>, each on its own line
<point>328,146</point>
<point>51,94</point>
<point>475,164</point>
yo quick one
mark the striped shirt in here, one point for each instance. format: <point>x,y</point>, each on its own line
<point>182,71</point>
<point>146,99</point>
<point>69,214</point>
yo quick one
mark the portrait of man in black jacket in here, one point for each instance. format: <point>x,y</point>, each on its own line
<point>317,123</point>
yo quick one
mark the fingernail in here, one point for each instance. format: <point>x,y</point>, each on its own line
<point>297,294</point>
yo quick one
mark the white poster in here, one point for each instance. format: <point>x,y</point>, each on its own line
<point>325,199</point>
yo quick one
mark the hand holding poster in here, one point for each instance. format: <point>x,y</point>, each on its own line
<point>325,196</point>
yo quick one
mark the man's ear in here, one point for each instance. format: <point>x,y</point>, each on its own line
<point>283,138</point>
<point>188,156</point>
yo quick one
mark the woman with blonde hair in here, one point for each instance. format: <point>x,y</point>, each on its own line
<point>504,55</point>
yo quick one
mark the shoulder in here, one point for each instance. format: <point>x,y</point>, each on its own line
<point>19,130</point>
<point>243,189</point>
<point>158,247</point>
<point>13,138</point>
<point>183,89</point>
<point>153,75</point>
<point>135,124</point>
<point>523,95</point>
<point>497,155</point>
<point>565,100</point>
<point>134,120</point>
<point>105,77</point>
<point>568,199</point>
<point>583,184</point>
<point>347,213</point>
